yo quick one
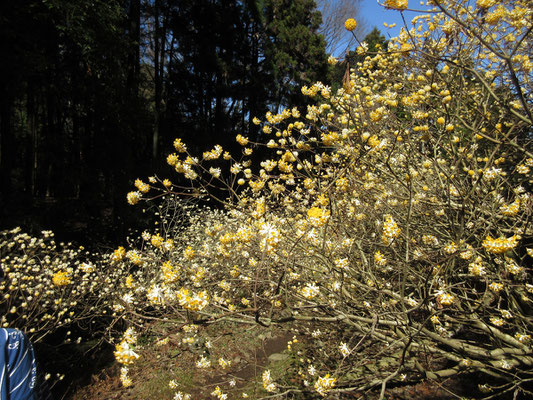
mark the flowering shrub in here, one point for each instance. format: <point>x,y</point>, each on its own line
<point>393,216</point>
<point>48,286</point>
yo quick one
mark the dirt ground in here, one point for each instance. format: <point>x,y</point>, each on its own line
<point>250,351</point>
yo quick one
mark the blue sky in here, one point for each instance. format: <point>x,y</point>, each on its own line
<point>376,15</point>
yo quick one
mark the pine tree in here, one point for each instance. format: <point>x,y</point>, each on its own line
<point>294,48</point>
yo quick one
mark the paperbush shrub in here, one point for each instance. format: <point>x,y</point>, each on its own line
<point>392,219</point>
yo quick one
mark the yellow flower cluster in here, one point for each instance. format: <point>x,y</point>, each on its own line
<point>192,301</point>
<point>512,267</point>
<point>173,159</point>
<point>451,248</point>
<point>325,384</point>
<point>344,349</point>
<point>510,210</point>
<point>476,268</point>
<point>124,377</point>
<point>342,263</point>
<point>223,363</point>
<point>61,278</point>
<point>189,253</point>
<point>219,394</point>
<point>310,291</point>
<point>350,24</point>
<point>180,146</point>
<point>124,353</point>
<point>318,216</point>
<point>157,240</point>
<point>130,282</point>
<point>430,240</point>
<point>271,237</point>
<point>213,154</point>
<point>143,187</point>
<point>267,381</point>
<point>203,362</point>
<point>390,229</point>
<point>170,273</point>
<point>332,60</point>
<point>133,197</point>
<point>500,245</point>
<point>380,259</point>
<point>522,338</point>
<point>485,3</point>
<point>134,256</point>
<point>119,253</point>
<point>157,295</point>
<point>445,299</point>
<point>243,141</point>
<point>496,286</point>
<point>396,4</point>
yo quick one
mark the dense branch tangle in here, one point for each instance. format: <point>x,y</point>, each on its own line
<point>399,207</point>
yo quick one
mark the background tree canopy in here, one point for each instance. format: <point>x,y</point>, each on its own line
<point>94,92</point>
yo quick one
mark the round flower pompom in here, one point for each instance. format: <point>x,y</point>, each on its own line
<point>318,216</point>
<point>61,278</point>
<point>350,24</point>
<point>133,197</point>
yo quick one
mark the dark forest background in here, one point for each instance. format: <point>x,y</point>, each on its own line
<point>94,92</point>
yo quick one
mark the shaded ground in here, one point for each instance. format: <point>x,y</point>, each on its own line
<point>256,349</point>
<point>78,365</point>
<point>250,349</point>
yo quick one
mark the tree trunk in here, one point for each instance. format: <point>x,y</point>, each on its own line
<point>134,32</point>
<point>6,145</point>
<point>157,81</point>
